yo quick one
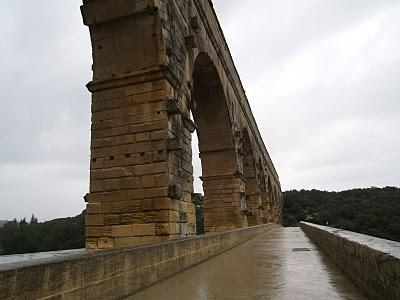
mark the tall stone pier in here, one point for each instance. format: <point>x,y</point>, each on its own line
<point>162,71</point>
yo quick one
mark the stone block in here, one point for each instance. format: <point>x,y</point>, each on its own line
<point>158,135</point>
<point>142,137</point>
<point>155,168</point>
<point>111,219</point>
<point>105,243</point>
<point>145,240</point>
<point>111,185</point>
<point>98,231</point>
<point>147,193</point>
<point>96,186</point>
<point>118,207</point>
<point>122,242</point>
<point>93,208</point>
<point>94,220</point>
<point>91,243</point>
<point>122,231</point>
<point>129,183</point>
<point>143,229</point>
<point>163,204</point>
<point>162,229</point>
<point>146,205</point>
<point>146,127</point>
<point>161,180</point>
<point>132,218</point>
<point>148,181</point>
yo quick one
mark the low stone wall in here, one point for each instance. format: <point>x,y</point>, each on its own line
<point>114,274</point>
<point>373,264</point>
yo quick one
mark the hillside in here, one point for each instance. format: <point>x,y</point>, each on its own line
<point>2,222</point>
<point>372,211</point>
<point>28,237</point>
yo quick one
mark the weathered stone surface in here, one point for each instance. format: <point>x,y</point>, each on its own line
<point>115,274</point>
<point>373,264</point>
<point>154,63</point>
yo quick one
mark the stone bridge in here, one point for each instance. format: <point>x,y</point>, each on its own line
<point>161,71</point>
<point>157,64</point>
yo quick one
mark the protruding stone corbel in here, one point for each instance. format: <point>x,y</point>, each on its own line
<point>174,144</point>
<point>194,23</point>
<point>173,107</point>
<point>189,124</point>
<point>238,133</point>
<point>86,197</point>
<point>240,174</point>
<point>175,191</point>
<point>190,42</point>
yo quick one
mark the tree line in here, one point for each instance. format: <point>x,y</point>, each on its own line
<point>32,236</point>
<point>372,211</point>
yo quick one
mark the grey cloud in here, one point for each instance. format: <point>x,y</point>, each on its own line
<point>336,130</point>
<point>44,121</point>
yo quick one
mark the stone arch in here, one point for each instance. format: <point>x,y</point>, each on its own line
<point>269,198</point>
<point>222,184</point>
<point>143,89</point>
<point>263,177</point>
<point>252,188</point>
<point>275,200</point>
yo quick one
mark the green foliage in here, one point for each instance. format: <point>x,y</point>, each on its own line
<point>58,234</point>
<point>372,211</point>
<point>198,200</point>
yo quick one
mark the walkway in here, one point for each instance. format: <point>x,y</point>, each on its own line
<point>275,265</point>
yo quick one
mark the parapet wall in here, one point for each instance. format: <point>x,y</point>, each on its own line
<point>114,274</point>
<point>373,264</point>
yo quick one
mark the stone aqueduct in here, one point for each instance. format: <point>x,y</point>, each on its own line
<point>156,63</point>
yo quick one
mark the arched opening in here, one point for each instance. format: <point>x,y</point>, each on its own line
<point>222,184</point>
<point>253,193</point>
<point>263,178</point>
<point>269,200</point>
<point>197,197</point>
<point>274,204</point>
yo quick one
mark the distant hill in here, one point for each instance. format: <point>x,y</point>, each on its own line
<point>33,236</point>
<point>372,211</point>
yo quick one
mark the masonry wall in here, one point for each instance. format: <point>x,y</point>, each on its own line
<point>156,63</point>
<point>114,274</point>
<point>373,264</point>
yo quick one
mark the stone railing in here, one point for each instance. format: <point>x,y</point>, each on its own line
<point>373,264</point>
<point>114,274</point>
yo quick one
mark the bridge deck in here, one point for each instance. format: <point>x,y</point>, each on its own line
<point>274,265</point>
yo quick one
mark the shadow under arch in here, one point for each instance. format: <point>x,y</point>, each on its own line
<point>223,185</point>
<point>252,188</point>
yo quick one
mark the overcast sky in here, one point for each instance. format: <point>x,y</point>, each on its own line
<point>322,78</point>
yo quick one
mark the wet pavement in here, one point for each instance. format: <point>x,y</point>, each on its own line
<point>280,264</point>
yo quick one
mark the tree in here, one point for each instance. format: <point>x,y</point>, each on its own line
<point>34,220</point>
<point>374,211</point>
<point>58,234</point>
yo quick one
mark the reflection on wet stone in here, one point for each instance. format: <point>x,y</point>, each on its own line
<point>267,267</point>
